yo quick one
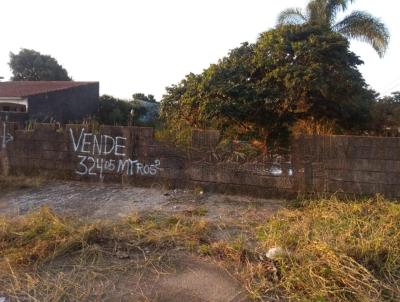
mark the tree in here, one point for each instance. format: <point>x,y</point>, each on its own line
<point>113,111</point>
<point>30,65</point>
<point>386,114</point>
<point>142,97</point>
<point>313,71</point>
<point>358,25</point>
<point>260,90</point>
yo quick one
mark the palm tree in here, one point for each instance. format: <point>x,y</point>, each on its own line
<point>358,25</point>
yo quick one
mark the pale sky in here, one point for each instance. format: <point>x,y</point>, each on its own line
<point>144,46</point>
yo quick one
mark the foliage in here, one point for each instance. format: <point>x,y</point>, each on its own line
<point>115,111</point>
<point>318,127</point>
<point>260,90</point>
<point>315,74</point>
<point>146,111</point>
<point>358,25</point>
<point>30,65</point>
<point>179,136</point>
<point>142,97</point>
<point>386,114</point>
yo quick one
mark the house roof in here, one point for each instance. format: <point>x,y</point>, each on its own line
<point>27,88</point>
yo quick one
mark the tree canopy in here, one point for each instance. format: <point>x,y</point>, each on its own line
<point>358,25</point>
<point>114,111</point>
<point>386,114</point>
<point>260,90</point>
<point>30,65</point>
<point>142,97</point>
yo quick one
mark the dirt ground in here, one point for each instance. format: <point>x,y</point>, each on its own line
<point>111,201</point>
<point>187,277</point>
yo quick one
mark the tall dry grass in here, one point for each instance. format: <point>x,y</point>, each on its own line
<point>338,251</point>
<point>45,257</point>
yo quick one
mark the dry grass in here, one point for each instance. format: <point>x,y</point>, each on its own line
<point>315,127</point>
<point>338,251</point>
<point>335,251</point>
<point>31,247</point>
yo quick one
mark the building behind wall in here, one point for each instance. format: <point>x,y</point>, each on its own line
<point>45,101</point>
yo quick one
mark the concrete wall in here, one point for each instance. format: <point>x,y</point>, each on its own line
<point>321,164</point>
<point>348,164</point>
<point>132,155</point>
<point>65,106</point>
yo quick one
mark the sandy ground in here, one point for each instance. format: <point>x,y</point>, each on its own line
<point>192,278</point>
<point>111,201</point>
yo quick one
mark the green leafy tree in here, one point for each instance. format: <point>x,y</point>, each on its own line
<point>260,90</point>
<point>113,111</point>
<point>30,65</point>
<point>386,114</point>
<point>358,25</point>
<point>142,97</point>
<point>179,110</point>
<point>313,72</point>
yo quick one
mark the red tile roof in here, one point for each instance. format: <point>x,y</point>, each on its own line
<point>26,88</point>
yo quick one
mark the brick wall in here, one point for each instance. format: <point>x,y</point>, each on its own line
<point>348,164</point>
<point>132,155</point>
<point>321,164</point>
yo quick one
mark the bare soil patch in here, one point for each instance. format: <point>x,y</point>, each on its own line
<point>111,201</point>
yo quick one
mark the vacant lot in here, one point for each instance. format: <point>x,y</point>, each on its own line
<point>69,241</point>
<point>113,201</point>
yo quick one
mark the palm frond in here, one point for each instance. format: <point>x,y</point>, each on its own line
<point>291,16</point>
<point>365,27</point>
<point>343,4</point>
<point>333,7</point>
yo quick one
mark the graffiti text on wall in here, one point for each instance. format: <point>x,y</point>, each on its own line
<point>93,151</point>
<point>6,137</point>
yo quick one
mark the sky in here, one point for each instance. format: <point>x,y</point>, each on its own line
<point>143,46</point>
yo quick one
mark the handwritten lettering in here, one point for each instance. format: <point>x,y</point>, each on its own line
<point>93,149</point>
